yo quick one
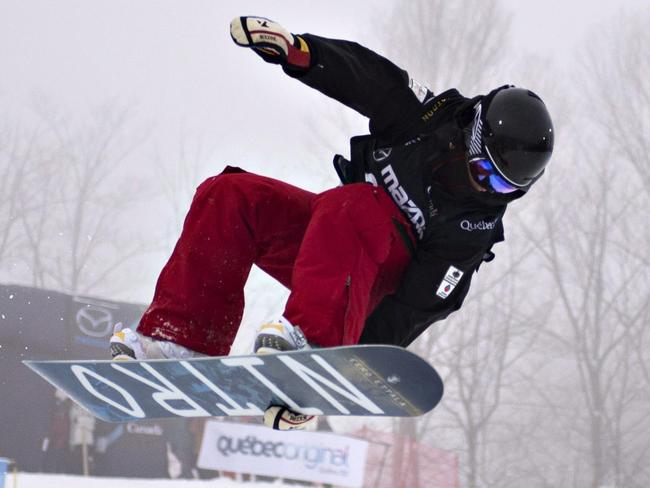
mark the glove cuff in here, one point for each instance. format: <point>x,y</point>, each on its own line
<point>299,56</point>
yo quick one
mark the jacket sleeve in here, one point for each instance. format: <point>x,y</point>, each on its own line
<point>364,81</point>
<point>428,293</point>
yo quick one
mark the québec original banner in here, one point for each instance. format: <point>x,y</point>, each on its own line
<point>309,456</point>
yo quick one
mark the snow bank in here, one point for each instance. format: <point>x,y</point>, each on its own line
<point>29,480</point>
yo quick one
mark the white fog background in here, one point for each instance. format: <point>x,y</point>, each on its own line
<point>112,112</point>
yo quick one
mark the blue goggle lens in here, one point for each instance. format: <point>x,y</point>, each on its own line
<point>486,175</point>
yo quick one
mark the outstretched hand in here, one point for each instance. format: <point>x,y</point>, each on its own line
<point>271,41</point>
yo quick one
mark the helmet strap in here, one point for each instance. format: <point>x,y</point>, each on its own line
<point>474,133</point>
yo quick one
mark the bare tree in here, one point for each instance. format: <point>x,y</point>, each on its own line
<point>598,261</point>
<point>448,44</point>
<point>74,200</point>
<point>616,66</point>
<point>602,297</point>
<point>11,184</point>
<point>479,351</point>
<point>20,192</point>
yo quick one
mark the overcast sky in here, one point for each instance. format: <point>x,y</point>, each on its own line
<point>176,62</point>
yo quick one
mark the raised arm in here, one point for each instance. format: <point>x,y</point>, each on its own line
<point>346,71</point>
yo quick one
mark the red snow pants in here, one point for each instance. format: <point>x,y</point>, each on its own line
<point>339,252</point>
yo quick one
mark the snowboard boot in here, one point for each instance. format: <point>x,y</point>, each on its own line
<point>279,336</point>
<point>127,345</point>
<point>282,336</point>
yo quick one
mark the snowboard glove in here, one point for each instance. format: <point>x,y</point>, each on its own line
<point>281,418</point>
<point>272,42</point>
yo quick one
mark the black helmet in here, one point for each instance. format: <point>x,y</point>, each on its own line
<point>514,130</point>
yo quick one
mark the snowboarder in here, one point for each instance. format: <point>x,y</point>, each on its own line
<point>376,260</point>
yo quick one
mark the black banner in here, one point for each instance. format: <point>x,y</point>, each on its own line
<point>39,428</point>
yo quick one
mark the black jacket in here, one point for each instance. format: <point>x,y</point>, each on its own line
<point>416,152</point>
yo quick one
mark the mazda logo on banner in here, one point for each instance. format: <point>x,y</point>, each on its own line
<point>94,321</point>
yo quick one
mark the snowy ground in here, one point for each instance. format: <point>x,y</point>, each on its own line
<point>28,480</point>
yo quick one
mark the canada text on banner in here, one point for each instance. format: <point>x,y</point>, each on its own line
<point>309,456</point>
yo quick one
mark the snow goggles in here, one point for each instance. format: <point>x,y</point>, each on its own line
<point>485,174</point>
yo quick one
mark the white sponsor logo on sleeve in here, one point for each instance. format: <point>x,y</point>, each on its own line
<point>418,89</point>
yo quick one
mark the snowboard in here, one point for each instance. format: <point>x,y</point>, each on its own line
<point>365,380</point>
